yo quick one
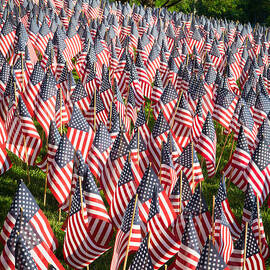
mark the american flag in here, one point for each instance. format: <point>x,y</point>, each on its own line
<point>142,126</point>
<point>135,83</point>
<point>261,108</point>
<point>131,110</point>
<point>46,100</point>
<point>182,122</point>
<point>79,132</point>
<point>25,247</point>
<point>48,58</point>
<point>257,173</point>
<point>73,41</point>
<point>252,216</point>
<point>99,152</point>
<point>124,192</point>
<point>105,91</point>
<point>198,121</point>
<point>167,102</point>
<point>161,235</point>
<point>127,233</point>
<point>7,38</point>
<point>33,216</point>
<point>62,115</point>
<point>181,189</point>
<point>43,37</point>
<point>142,259</point>
<point>197,208</point>
<point>225,103</point>
<point>184,162</point>
<point>114,166</point>
<point>207,145</point>
<point>52,146</point>
<point>189,252</point>
<point>157,88</point>
<point>60,171</point>
<point>5,162</point>
<point>221,231</point>
<point>79,248</point>
<point>4,77</point>
<point>167,172</point>
<point>239,161</point>
<point>254,259</point>
<point>210,258</point>
<point>99,222</point>
<point>153,61</point>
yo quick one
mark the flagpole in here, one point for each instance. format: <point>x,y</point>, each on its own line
<point>130,232</point>
<point>95,109</point>
<point>26,160</point>
<point>159,174</point>
<point>180,193</point>
<point>138,146</point>
<point>222,151</point>
<point>46,180</point>
<point>149,239</point>
<point>229,159</point>
<point>192,160</point>
<point>245,249</point>
<point>22,74</point>
<point>110,123</point>
<point>61,128</point>
<point>213,220</point>
<point>148,115</point>
<point>259,224</point>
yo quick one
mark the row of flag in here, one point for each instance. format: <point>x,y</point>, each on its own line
<point>191,74</point>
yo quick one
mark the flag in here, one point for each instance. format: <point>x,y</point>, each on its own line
<point>239,161</point>
<point>79,132</point>
<point>125,233</point>
<point>33,216</point>
<point>60,171</point>
<point>189,252</point>
<point>198,121</point>
<point>99,151</point>
<point>207,145</point>
<point>257,173</point>
<point>254,259</point>
<point>142,259</point>
<point>46,100</point>
<point>79,248</point>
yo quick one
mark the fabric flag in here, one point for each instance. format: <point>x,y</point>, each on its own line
<point>198,210</point>
<point>60,171</point>
<point>52,145</point>
<point>254,259</point>
<point>157,88</point>
<point>198,121</point>
<point>46,100</point>
<point>125,232</point>
<point>142,259</point>
<point>207,145</point>
<point>239,161</point>
<point>79,249</point>
<point>79,132</point>
<point>210,258</point>
<point>257,173</point>
<point>100,150</point>
<point>25,248</point>
<point>189,252</point>
<point>33,214</point>
<point>7,37</point>
<point>193,172</point>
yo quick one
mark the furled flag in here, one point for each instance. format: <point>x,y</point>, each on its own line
<point>157,88</point>
<point>129,232</point>
<point>193,170</point>
<point>142,126</point>
<point>188,255</point>
<point>257,173</point>
<point>46,100</point>
<point>79,132</point>
<point>198,210</point>
<point>239,161</point>
<point>33,216</point>
<point>207,145</point>
<point>210,258</point>
<point>52,145</point>
<point>142,259</point>
<point>79,248</point>
<point>60,171</point>
<point>100,150</point>
<point>253,259</point>
<point>198,121</point>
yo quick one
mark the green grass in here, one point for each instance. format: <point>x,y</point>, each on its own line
<point>8,187</point>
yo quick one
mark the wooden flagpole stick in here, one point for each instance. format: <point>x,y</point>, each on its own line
<point>229,159</point>
<point>245,248</point>
<point>165,267</point>
<point>21,217</point>
<point>126,105</point>
<point>22,74</point>
<point>180,193</point>
<point>148,115</point>
<point>26,160</point>
<point>159,173</point>
<point>149,239</point>
<point>110,125</point>
<point>192,160</point>
<point>130,232</point>
<point>61,121</point>
<point>95,109</point>
<point>222,151</point>
<point>59,215</point>
<point>213,221</point>
<point>259,224</point>
<point>45,188</point>
<point>138,146</point>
